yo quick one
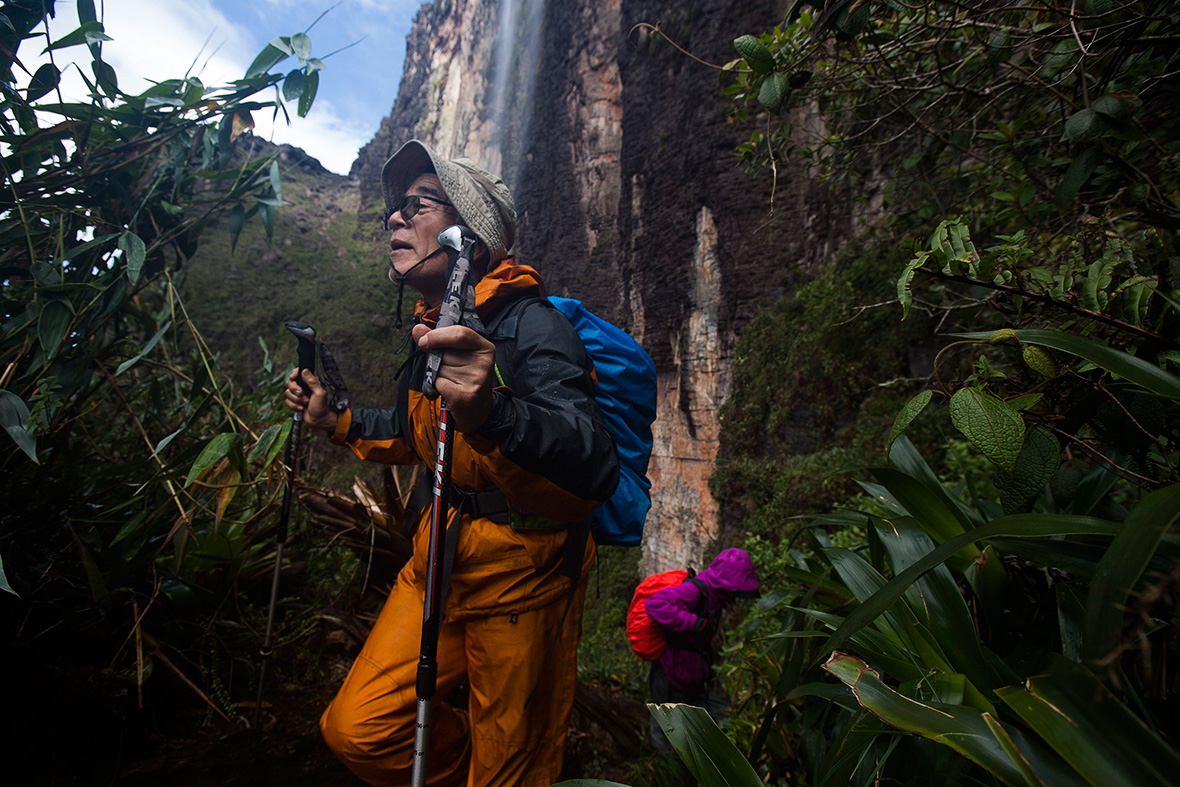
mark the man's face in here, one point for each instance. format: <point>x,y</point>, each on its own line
<point>413,239</point>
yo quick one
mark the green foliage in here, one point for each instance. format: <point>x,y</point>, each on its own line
<point>139,488</point>
<point>604,655</point>
<point>807,394</point>
<point>1029,154</point>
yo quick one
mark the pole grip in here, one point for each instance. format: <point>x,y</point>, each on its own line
<point>459,244</point>
<point>305,351</point>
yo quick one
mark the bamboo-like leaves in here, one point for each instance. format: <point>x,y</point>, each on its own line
<point>703,748</point>
<point>966,730</point>
<point>1121,566</point>
<point>1135,370</point>
<point>1091,730</point>
<point>14,417</point>
<point>1023,525</point>
<point>928,509</point>
<point>147,348</point>
<point>936,598</point>
<point>220,447</point>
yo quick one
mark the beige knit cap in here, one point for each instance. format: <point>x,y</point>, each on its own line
<point>481,198</point>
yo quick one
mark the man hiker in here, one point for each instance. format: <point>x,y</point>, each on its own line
<point>690,614</point>
<point>528,461</point>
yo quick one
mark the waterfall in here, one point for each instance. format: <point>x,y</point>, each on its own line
<point>516,60</point>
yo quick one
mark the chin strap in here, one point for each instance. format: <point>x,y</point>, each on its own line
<point>400,278</point>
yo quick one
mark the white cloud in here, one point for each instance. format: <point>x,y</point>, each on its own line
<point>163,39</point>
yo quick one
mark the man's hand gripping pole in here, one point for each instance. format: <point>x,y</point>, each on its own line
<point>458,308</point>
<point>306,354</point>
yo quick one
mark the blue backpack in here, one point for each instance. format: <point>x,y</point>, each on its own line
<point>626,396</point>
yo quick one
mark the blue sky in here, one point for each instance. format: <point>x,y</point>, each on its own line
<point>163,38</point>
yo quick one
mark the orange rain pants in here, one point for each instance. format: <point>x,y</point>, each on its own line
<point>498,741</point>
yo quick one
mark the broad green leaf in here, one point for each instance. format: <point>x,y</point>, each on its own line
<point>703,748</point>
<point>4,580</point>
<point>1079,172</point>
<point>105,76</point>
<point>307,97</point>
<point>293,85</point>
<point>991,425</point>
<point>1025,401</point>
<point>1084,125</point>
<point>1037,464</point>
<point>134,253</point>
<point>43,81</point>
<point>216,450</point>
<point>53,325</point>
<point>961,728</point>
<point>755,53</point>
<point>301,46</point>
<point>283,44</point>
<point>269,57</point>
<point>1136,370</point>
<point>1087,725</point>
<point>773,90</point>
<point>1120,568</point>
<point>1020,525</point>
<point>86,11</point>
<point>14,417</point>
<point>907,415</point>
<point>147,348</point>
<point>1112,107</point>
<point>1038,360</point>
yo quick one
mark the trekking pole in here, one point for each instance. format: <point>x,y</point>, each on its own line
<point>306,352</point>
<point>458,243</point>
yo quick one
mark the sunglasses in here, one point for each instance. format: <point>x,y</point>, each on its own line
<point>408,206</point>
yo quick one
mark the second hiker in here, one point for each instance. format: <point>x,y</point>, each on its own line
<point>690,614</point>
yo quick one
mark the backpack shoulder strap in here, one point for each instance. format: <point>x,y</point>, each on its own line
<point>501,331</point>
<point>703,600</point>
<point>503,324</point>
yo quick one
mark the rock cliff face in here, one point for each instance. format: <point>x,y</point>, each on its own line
<point>621,160</point>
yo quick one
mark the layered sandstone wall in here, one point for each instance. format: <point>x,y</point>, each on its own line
<point>621,160</point>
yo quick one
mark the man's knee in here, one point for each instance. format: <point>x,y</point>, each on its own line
<point>357,742</point>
